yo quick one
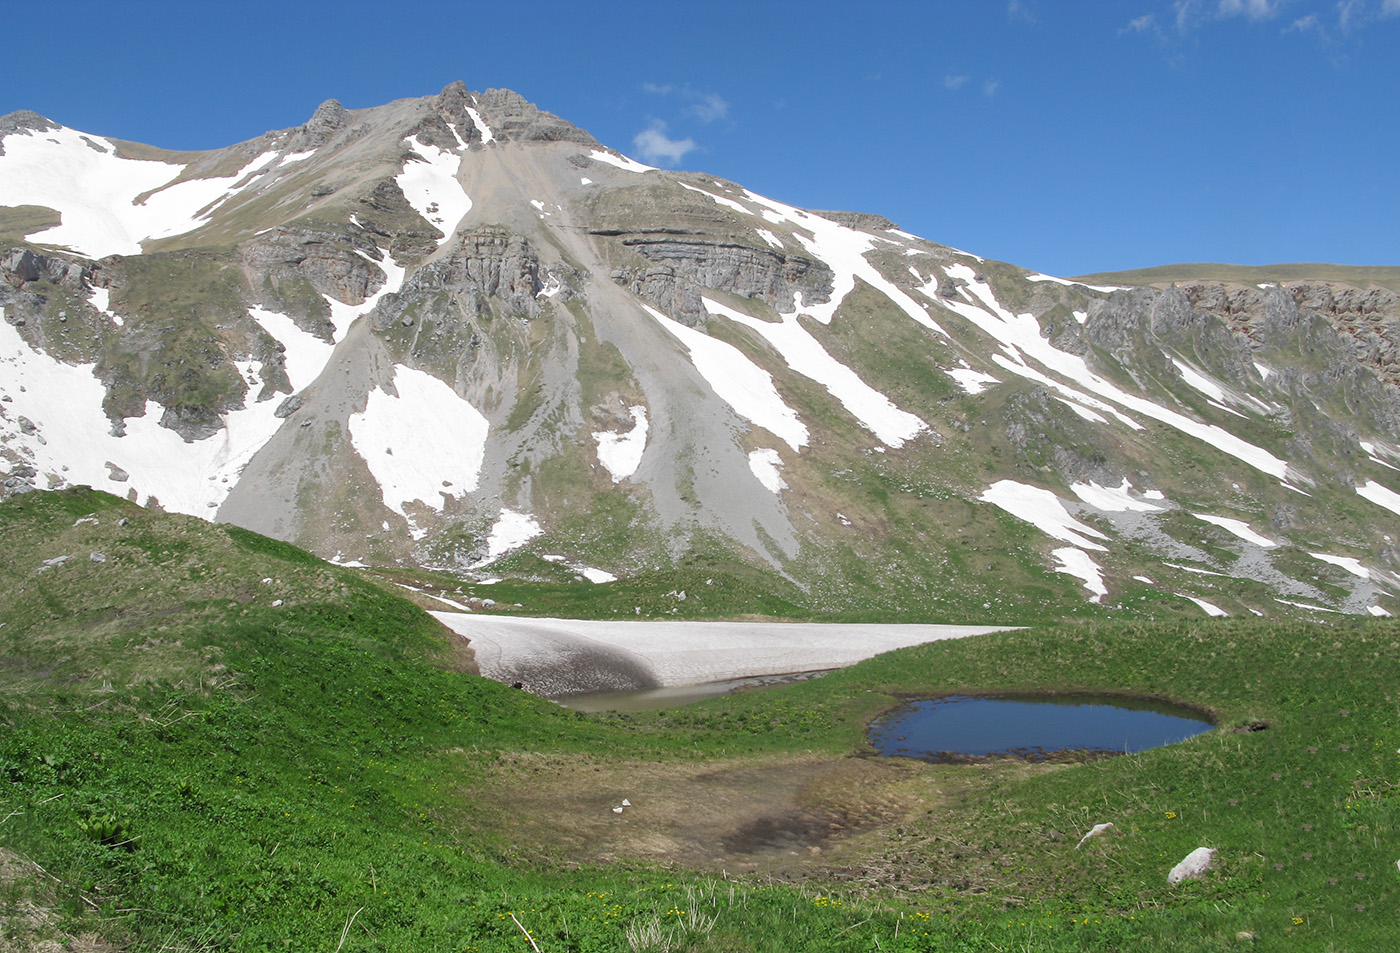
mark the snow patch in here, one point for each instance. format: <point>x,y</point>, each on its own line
<point>1043,510</point>
<point>1106,289</point>
<point>73,438</point>
<point>1021,340</point>
<point>1076,562</point>
<point>1380,495</point>
<point>1112,499</point>
<point>431,187</point>
<point>770,238</point>
<point>621,161</point>
<point>100,298</point>
<point>766,464</point>
<point>95,191</point>
<point>403,440</point>
<point>1351,565</point>
<point>805,355</point>
<point>1238,528</point>
<point>739,382</point>
<point>481,126</point>
<point>304,354</point>
<point>510,531</point>
<point>972,381</point>
<point>1378,612</point>
<point>1145,579</point>
<point>1213,611</point>
<point>621,453</point>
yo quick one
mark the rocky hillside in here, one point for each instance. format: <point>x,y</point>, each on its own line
<point>459,333</point>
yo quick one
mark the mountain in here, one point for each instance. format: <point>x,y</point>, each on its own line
<point>459,333</point>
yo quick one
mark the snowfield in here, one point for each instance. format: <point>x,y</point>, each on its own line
<point>400,438</point>
<point>682,653</point>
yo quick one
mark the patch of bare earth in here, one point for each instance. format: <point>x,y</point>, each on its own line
<point>28,921</point>
<point>788,816</point>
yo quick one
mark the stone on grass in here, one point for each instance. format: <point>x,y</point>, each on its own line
<point>1095,831</point>
<point>1193,867</point>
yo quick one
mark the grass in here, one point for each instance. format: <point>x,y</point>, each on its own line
<point>1361,276</point>
<point>308,775</point>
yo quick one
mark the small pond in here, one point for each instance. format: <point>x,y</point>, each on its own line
<point>1034,728</point>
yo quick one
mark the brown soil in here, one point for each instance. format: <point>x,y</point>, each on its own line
<point>784,816</point>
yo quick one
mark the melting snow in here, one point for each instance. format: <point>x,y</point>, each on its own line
<point>291,157</point>
<point>94,191</point>
<point>304,354</point>
<point>431,187</point>
<point>1112,499</point>
<point>1380,495</point>
<point>1145,579</point>
<point>1211,610</point>
<point>1351,565</point>
<point>973,381</point>
<point>1080,316</point>
<point>770,238</point>
<point>843,249</point>
<point>1378,612</point>
<point>100,298</point>
<point>739,382</point>
<point>510,531</point>
<point>424,444</point>
<point>1239,528</point>
<point>1021,334</point>
<point>343,315</point>
<point>805,355</point>
<point>597,576</point>
<point>1198,380</point>
<point>1076,562</point>
<point>65,403</point>
<point>621,453</point>
<point>621,161</point>
<point>1106,289</point>
<point>481,126</point>
<point>765,465</point>
<point>1197,571</point>
<point>1304,605</point>
<point>1043,510</point>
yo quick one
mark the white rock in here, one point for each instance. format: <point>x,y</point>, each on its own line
<point>1193,867</point>
<point>1095,831</point>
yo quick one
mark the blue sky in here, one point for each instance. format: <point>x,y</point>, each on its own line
<point>1069,137</point>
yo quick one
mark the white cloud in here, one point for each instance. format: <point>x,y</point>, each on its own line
<point>710,107</point>
<point>955,82</point>
<point>1253,9</point>
<point>1019,10</point>
<point>657,88</point>
<point>1390,8</point>
<point>990,87</point>
<point>653,145</point>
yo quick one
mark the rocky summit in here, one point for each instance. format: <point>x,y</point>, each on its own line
<point>459,333</point>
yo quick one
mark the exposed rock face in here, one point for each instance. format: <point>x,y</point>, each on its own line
<point>22,120</point>
<point>327,259</point>
<point>19,266</point>
<point>682,266</point>
<point>868,221</point>
<point>511,116</point>
<point>484,263</point>
<point>329,119</point>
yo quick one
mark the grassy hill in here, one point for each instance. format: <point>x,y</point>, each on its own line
<point>1360,276</point>
<point>214,741</point>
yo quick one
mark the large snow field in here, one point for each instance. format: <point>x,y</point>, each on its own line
<point>423,444</point>
<point>687,653</point>
<point>805,355</point>
<point>738,381</point>
<point>64,401</point>
<point>94,191</point>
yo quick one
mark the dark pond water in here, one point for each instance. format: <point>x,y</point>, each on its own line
<point>1029,727</point>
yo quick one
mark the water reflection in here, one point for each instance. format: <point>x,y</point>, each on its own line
<point>1029,727</point>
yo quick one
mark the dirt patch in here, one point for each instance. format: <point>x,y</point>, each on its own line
<point>781,815</point>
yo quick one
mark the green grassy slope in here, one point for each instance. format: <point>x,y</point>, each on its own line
<point>198,768</point>
<point>1360,276</point>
